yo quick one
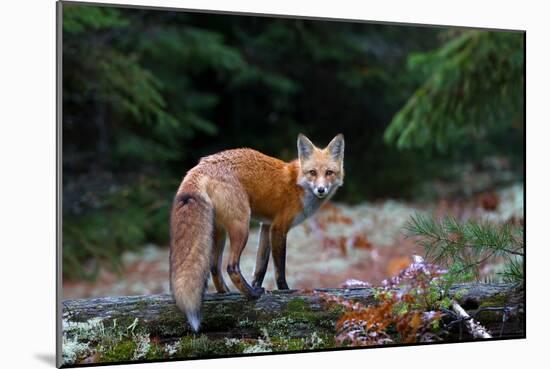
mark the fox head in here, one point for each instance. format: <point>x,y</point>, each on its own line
<point>321,170</point>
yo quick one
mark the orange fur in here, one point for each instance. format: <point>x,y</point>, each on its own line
<point>222,193</point>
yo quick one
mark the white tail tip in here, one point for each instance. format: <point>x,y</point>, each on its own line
<point>194,320</point>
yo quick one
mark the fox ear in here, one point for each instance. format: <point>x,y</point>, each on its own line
<point>336,147</point>
<point>305,147</point>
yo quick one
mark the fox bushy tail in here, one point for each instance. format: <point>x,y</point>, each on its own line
<point>191,242</point>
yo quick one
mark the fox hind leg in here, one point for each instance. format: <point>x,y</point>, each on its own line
<point>262,258</point>
<point>238,236</point>
<point>233,214</point>
<point>217,260</point>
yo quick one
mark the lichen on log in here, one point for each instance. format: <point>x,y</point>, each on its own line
<point>288,320</point>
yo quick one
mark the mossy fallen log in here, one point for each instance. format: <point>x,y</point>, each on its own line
<point>296,311</point>
<point>292,320</point>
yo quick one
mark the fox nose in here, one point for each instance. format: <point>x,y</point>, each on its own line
<point>321,190</point>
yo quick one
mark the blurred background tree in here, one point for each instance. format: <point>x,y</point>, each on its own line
<point>471,93</point>
<point>147,93</point>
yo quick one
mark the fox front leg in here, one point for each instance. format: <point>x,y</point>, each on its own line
<point>278,250</point>
<point>262,258</point>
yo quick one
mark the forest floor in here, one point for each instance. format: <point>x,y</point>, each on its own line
<point>341,242</point>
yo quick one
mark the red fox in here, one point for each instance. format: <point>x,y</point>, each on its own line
<point>222,193</point>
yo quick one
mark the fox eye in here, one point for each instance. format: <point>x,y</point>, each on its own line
<point>329,173</point>
<point>312,172</point>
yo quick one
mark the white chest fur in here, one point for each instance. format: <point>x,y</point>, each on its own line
<point>311,204</point>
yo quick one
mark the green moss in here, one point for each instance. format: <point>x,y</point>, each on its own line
<point>188,346</point>
<point>286,326</point>
<point>170,322</point>
<point>219,317</point>
<point>122,351</point>
<point>202,346</point>
<point>297,304</point>
<point>313,341</point>
<point>295,344</point>
<point>155,352</point>
<point>141,305</point>
<point>324,319</point>
<point>328,341</point>
<point>290,344</point>
<point>246,323</point>
<point>300,319</point>
<point>234,346</point>
<point>498,300</point>
<point>123,322</point>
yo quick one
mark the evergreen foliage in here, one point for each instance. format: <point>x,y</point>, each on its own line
<point>465,246</point>
<point>472,87</point>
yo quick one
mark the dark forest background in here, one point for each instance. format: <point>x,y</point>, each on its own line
<point>147,93</point>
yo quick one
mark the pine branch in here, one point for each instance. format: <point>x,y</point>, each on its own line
<point>467,246</point>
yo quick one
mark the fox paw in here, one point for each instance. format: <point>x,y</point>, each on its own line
<point>257,292</point>
<point>283,286</point>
